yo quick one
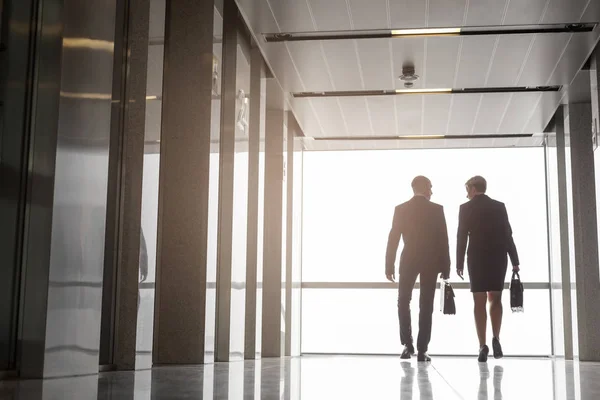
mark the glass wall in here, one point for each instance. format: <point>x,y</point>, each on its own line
<point>150,184</point>
<point>349,200</point>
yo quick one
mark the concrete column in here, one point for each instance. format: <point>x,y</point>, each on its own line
<point>585,237</point>
<point>565,250</point>
<point>179,328</point>
<point>256,172</point>
<point>273,328</point>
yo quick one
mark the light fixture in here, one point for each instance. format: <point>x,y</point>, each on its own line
<point>427,91</point>
<point>423,91</point>
<point>426,32</point>
<point>86,96</point>
<point>87,43</point>
<point>151,97</point>
<point>421,137</point>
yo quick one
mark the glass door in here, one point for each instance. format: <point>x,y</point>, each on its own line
<point>348,204</point>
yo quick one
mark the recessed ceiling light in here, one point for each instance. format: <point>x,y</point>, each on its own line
<point>426,32</point>
<point>421,91</point>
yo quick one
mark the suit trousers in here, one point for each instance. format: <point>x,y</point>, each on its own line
<point>428,281</point>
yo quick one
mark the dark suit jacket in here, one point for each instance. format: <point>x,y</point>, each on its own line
<point>484,223</point>
<point>422,226</point>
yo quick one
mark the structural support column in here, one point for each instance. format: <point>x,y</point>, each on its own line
<point>563,217</point>
<point>273,328</point>
<point>122,249</point>
<point>255,214</point>
<point>585,237</point>
<point>179,329</point>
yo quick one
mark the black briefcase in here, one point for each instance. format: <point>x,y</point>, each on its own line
<point>448,307</point>
<point>516,293</point>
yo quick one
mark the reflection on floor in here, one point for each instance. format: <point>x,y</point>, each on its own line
<point>331,377</point>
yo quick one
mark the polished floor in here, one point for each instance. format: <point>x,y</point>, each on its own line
<point>331,377</point>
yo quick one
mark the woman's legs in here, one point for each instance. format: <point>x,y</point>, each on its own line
<point>480,299</point>
<point>495,299</point>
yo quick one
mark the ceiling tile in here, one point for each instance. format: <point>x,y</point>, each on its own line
<point>330,116</point>
<point>508,60</point>
<point>436,114</point>
<point>410,50</point>
<point>407,14</point>
<point>376,64</point>
<point>356,115</point>
<point>383,115</point>
<point>518,112</point>
<point>343,63</point>
<point>440,63</point>
<point>565,11</point>
<point>592,12</point>
<point>543,58</point>
<point>486,12</point>
<point>409,110</point>
<point>446,13</point>
<point>574,57</point>
<point>370,14</point>
<point>306,117</point>
<point>490,113</point>
<point>283,67</point>
<point>475,57</point>
<point>310,64</point>
<point>462,113</point>
<point>543,113</point>
<point>330,15</point>
<point>525,12</point>
<point>292,15</point>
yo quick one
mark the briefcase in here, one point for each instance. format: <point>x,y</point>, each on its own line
<point>448,307</point>
<point>516,293</point>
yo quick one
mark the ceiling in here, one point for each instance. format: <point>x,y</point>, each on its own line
<point>441,62</point>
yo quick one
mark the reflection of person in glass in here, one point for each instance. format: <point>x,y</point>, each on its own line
<point>407,381</point>
<point>484,374</point>
<point>483,222</point>
<point>143,263</point>
<point>422,226</point>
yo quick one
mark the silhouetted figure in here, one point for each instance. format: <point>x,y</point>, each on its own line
<point>422,226</point>
<point>143,263</point>
<point>483,223</point>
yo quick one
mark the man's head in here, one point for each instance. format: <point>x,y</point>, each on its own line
<point>422,187</point>
<point>475,186</point>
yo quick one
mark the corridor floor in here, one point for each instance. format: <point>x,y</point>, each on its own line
<point>331,377</point>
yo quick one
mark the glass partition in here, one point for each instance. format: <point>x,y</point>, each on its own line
<point>348,205</point>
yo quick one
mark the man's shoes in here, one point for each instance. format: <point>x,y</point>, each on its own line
<point>483,353</point>
<point>423,357</point>
<point>408,352</point>
<point>497,348</point>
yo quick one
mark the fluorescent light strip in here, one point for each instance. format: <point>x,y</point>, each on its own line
<point>416,32</point>
<point>423,91</point>
<point>420,137</point>
<point>426,32</point>
<point>426,91</point>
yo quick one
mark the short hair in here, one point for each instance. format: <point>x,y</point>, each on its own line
<point>478,182</point>
<point>421,184</point>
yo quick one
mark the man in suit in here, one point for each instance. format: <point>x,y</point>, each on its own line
<point>483,223</point>
<point>422,226</point>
